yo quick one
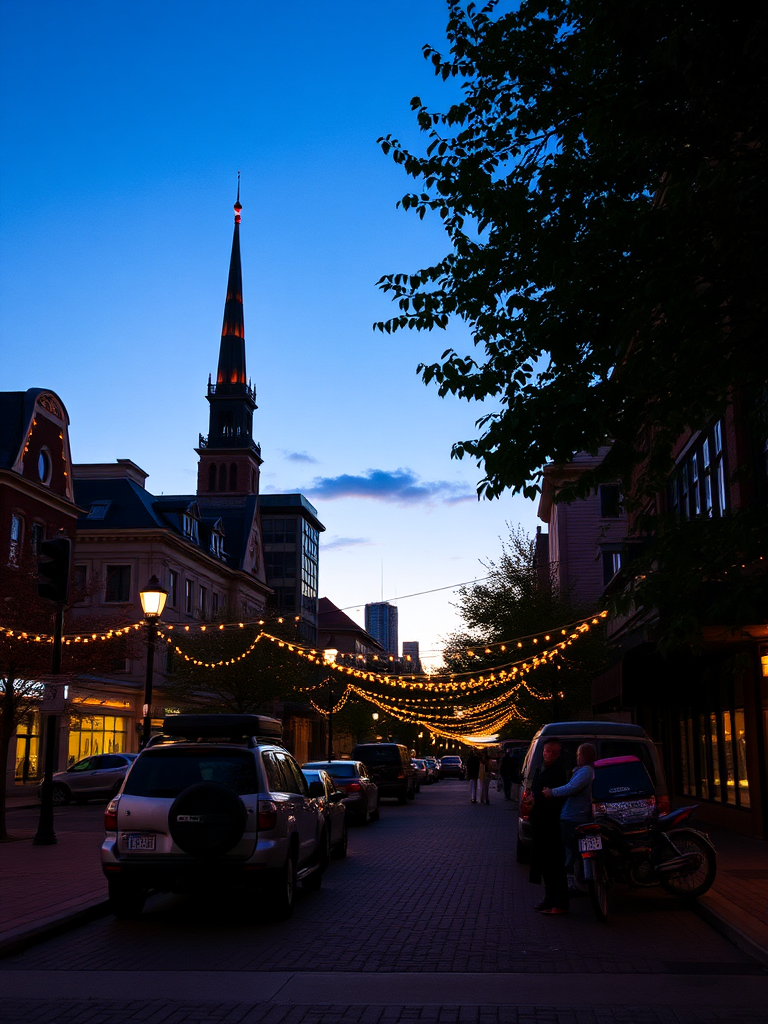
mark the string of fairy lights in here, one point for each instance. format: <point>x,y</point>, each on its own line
<point>426,700</point>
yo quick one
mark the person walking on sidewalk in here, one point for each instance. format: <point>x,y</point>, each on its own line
<point>507,772</point>
<point>473,771</point>
<point>578,805</point>
<point>484,776</point>
<point>547,852</point>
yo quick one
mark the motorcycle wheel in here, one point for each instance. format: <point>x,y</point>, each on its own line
<point>598,889</point>
<point>699,881</point>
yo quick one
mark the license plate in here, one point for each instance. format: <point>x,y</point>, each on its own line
<point>140,842</point>
<point>590,843</point>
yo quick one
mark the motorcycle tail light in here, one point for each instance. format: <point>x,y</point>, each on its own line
<point>110,816</point>
<point>401,775</point>
<point>267,815</point>
<point>663,804</point>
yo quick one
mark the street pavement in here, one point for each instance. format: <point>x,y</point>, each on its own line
<point>428,919</point>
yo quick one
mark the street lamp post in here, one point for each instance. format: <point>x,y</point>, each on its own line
<point>153,598</point>
<point>329,657</point>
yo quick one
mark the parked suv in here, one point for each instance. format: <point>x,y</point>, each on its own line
<point>389,765</point>
<point>213,800</point>
<point>97,776</point>
<point>611,739</point>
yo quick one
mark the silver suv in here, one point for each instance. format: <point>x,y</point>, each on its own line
<point>213,800</point>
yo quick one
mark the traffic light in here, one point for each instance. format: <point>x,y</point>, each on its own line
<point>53,569</point>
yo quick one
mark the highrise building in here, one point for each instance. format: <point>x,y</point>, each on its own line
<point>381,623</point>
<point>411,657</point>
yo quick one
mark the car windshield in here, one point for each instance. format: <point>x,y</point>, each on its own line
<point>625,781</point>
<point>166,773</point>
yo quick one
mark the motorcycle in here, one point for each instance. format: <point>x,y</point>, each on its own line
<point>629,842</point>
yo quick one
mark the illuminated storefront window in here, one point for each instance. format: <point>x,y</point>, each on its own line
<point>96,734</point>
<point>27,766</point>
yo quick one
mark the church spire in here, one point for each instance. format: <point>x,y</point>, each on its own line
<point>231,368</point>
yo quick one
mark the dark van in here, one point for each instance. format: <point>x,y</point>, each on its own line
<point>611,739</point>
<point>389,765</point>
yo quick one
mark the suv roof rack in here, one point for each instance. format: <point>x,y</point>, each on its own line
<point>231,727</point>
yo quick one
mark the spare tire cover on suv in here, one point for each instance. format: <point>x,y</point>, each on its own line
<point>207,819</point>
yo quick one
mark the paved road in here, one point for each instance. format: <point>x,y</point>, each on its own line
<point>428,919</point>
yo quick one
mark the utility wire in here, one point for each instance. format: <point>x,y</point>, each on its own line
<point>434,590</point>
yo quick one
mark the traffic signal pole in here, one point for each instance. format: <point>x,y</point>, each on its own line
<point>46,835</point>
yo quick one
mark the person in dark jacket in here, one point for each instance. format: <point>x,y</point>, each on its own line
<point>547,850</point>
<point>507,770</point>
<point>473,772</point>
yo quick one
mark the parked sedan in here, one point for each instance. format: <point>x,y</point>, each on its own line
<point>422,774</point>
<point>452,767</point>
<point>100,775</point>
<point>361,794</point>
<point>330,799</point>
<point>432,769</point>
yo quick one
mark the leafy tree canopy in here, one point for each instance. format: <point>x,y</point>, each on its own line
<point>602,184</point>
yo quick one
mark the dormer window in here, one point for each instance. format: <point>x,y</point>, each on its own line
<point>44,466</point>
<point>189,527</point>
<point>217,545</point>
<point>99,509</point>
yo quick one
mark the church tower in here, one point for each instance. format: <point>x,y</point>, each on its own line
<point>229,457</point>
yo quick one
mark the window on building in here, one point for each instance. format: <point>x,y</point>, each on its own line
<point>214,604</point>
<point>98,509</point>
<point>222,478</point>
<point>44,466</point>
<point>233,477</point>
<point>217,544</point>
<point>173,589</point>
<point>713,756</point>
<point>611,565</point>
<point>96,734</point>
<point>279,531</point>
<point>212,477</point>
<point>118,584</point>
<point>17,534</point>
<point>189,596</point>
<point>79,582</point>
<point>610,501</point>
<point>189,527</point>
<point>37,536</point>
<point>698,485</point>
<point>202,601</point>
<point>280,564</point>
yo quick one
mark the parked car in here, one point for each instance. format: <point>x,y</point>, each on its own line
<point>452,767</point>
<point>389,765</point>
<point>330,799</point>
<point>432,769</point>
<point>100,775</point>
<point>422,775</point>
<point>361,794</point>
<point>215,800</point>
<point>611,739</point>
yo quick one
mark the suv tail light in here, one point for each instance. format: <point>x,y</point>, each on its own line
<point>663,804</point>
<point>110,816</point>
<point>526,804</point>
<point>267,815</point>
<point>401,775</point>
<point>353,787</point>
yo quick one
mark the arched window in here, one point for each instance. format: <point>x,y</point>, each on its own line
<point>212,477</point>
<point>233,477</point>
<point>222,477</point>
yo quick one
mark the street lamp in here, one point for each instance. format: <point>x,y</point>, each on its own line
<point>153,598</point>
<point>329,657</point>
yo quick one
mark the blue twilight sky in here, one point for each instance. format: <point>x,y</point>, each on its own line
<point>124,123</point>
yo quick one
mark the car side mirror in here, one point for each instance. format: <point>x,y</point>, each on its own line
<point>316,789</point>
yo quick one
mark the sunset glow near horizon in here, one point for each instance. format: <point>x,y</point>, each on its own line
<point>124,126</point>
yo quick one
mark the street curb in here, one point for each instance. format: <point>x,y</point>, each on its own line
<point>733,924</point>
<point>19,939</point>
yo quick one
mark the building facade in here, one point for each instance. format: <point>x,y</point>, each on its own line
<point>381,623</point>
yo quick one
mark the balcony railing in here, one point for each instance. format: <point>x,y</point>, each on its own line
<point>234,440</point>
